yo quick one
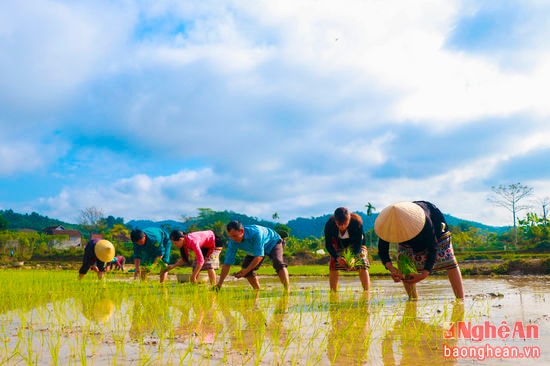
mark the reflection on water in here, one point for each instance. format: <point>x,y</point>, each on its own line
<point>98,309</point>
<point>129,323</point>
<point>349,335</point>
<point>414,341</point>
<point>199,322</point>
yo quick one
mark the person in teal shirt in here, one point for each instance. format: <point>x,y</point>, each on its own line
<point>150,245</point>
<point>257,241</point>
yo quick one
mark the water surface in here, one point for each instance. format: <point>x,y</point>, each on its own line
<point>134,323</point>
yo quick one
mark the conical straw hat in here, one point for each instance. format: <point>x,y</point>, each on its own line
<point>400,222</point>
<point>104,250</point>
<point>103,310</point>
<point>98,310</point>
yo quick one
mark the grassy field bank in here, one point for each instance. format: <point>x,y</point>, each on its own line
<point>527,266</point>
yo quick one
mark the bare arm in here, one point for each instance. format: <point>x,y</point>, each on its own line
<point>223,275</point>
<point>416,277</point>
<point>395,273</point>
<point>172,266</point>
<point>136,263</point>
<point>195,275</point>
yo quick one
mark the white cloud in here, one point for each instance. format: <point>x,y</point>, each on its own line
<point>20,156</point>
<point>259,107</point>
<point>51,48</point>
<point>136,197</point>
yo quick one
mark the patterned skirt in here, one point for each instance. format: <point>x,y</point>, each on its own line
<point>444,257</point>
<point>211,259</point>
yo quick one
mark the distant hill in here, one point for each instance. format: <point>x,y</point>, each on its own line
<point>33,221</point>
<point>168,225</point>
<point>455,221</point>
<point>300,227</point>
<point>206,220</point>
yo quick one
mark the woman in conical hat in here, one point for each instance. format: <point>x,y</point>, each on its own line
<point>421,232</point>
<point>97,253</point>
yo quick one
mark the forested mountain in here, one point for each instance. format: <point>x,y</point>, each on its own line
<point>206,218</point>
<point>314,226</point>
<point>300,227</point>
<point>33,221</point>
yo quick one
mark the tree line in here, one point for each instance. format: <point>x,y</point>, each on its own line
<point>530,233</point>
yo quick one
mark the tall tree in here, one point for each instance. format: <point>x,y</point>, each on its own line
<point>3,222</point>
<point>111,221</point>
<point>544,202</point>
<point>91,218</point>
<point>509,197</point>
<point>370,210</point>
<point>119,233</point>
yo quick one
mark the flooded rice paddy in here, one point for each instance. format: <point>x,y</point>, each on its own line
<point>51,318</point>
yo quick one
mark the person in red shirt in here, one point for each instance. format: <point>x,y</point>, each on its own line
<point>119,261</point>
<point>207,247</point>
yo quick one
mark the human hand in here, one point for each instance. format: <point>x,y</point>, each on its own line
<point>163,265</point>
<point>239,274</point>
<point>163,276</point>
<point>216,287</point>
<point>396,274</point>
<point>341,261</point>
<point>165,268</point>
<point>415,277</point>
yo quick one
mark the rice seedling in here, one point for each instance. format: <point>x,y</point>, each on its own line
<point>406,266</point>
<point>353,260</point>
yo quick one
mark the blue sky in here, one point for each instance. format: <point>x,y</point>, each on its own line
<point>150,110</point>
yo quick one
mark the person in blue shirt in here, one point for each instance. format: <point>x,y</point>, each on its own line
<point>150,245</point>
<point>257,242</point>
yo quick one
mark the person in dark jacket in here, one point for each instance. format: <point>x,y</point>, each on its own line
<point>345,242</point>
<point>96,253</point>
<point>422,235</point>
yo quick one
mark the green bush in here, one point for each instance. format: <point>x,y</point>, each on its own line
<point>501,269</point>
<point>476,257</point>
<point>542,247</point>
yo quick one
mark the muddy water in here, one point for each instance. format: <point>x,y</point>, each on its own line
<point>501,321</point>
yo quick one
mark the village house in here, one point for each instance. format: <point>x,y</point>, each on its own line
<point>74,237</point>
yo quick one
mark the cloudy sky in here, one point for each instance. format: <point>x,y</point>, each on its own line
<point>152,109</point>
